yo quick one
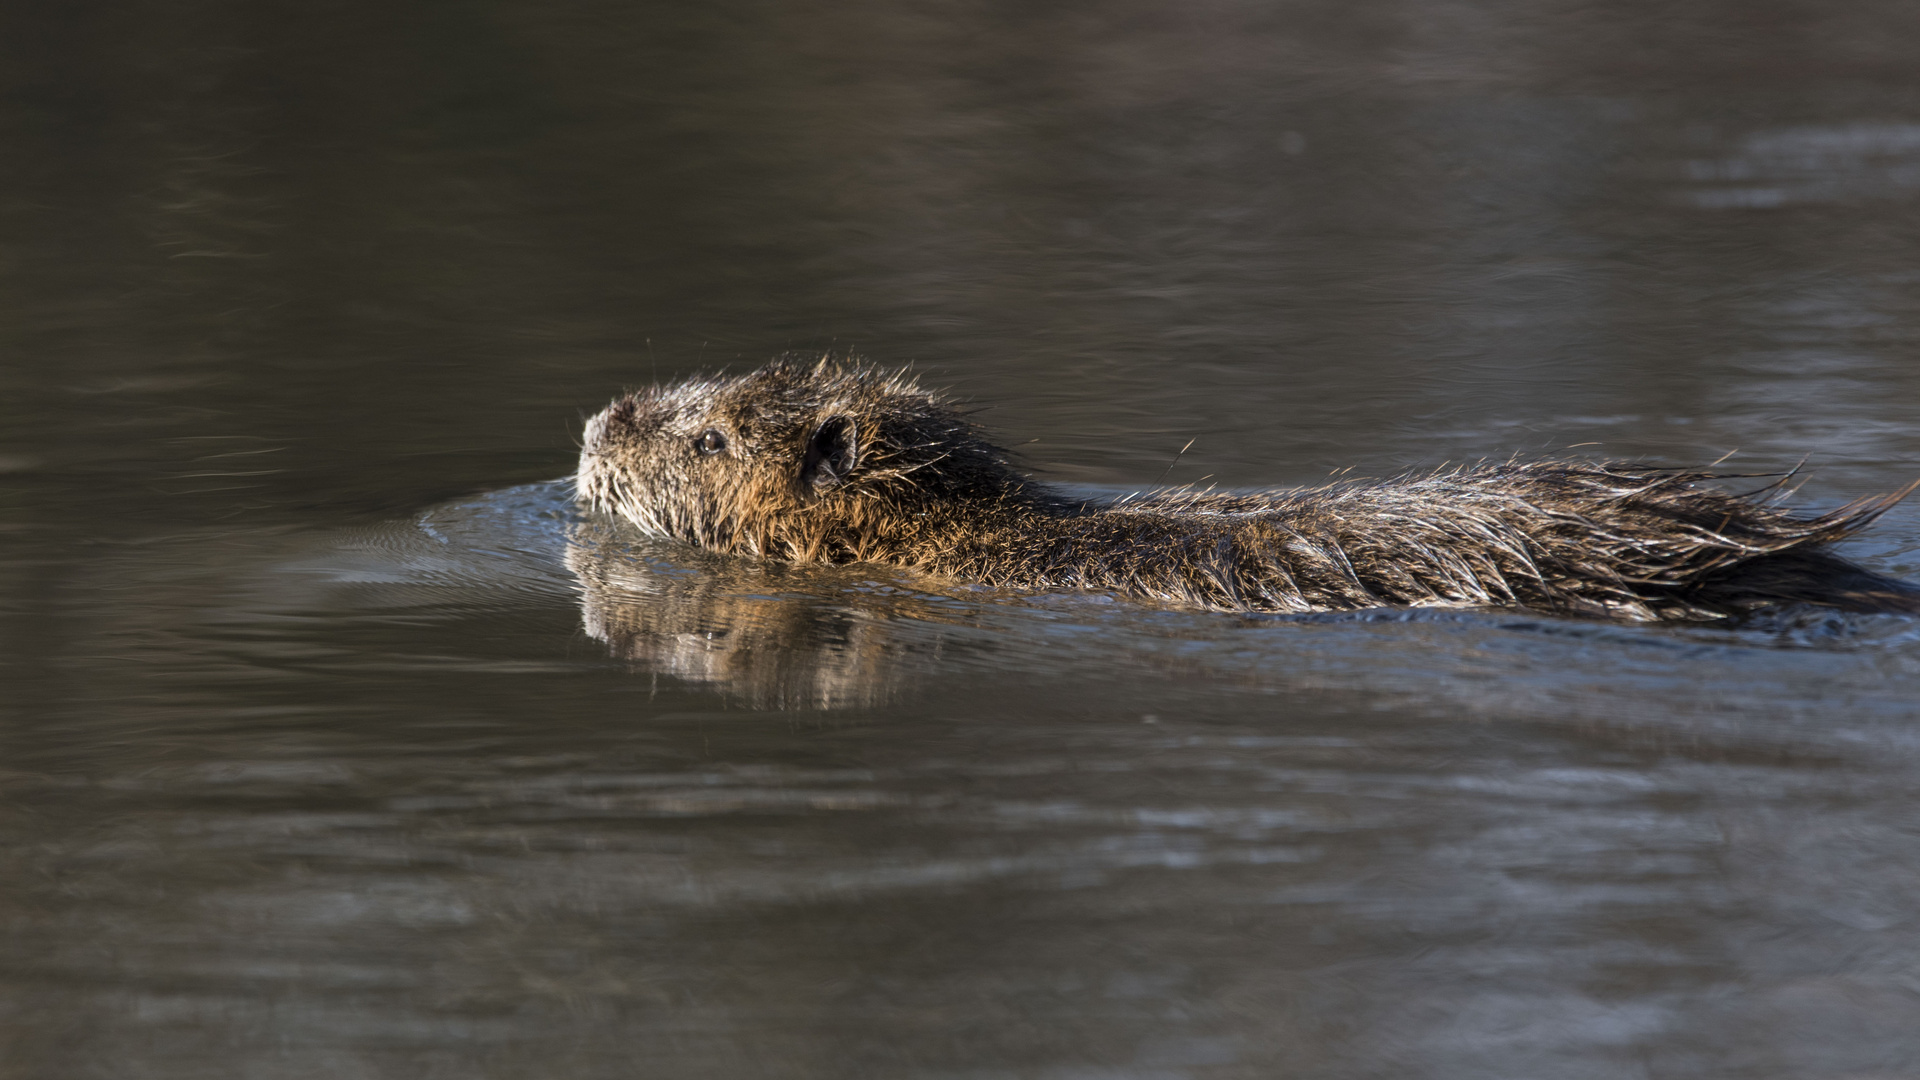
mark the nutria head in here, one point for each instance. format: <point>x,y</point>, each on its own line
<point>802,460</point>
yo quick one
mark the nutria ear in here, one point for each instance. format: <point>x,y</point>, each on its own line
<point>831,454</point>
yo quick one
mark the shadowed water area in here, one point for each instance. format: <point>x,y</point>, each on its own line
<point>335,741</point>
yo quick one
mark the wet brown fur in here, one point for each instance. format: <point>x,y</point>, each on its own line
<point>841,462</point>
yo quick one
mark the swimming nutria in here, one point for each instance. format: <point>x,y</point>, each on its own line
<point>838,462</point>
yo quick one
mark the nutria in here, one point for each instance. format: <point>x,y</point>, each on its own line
<point>840,462</point>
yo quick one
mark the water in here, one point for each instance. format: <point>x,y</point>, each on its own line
<point>335,742</point>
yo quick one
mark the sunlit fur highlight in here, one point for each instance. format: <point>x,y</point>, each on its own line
<point>930,492</point>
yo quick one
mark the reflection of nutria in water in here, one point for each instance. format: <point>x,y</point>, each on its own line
<point>829,462</point>
<point>773,651</point>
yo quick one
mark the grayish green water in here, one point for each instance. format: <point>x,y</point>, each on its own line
<point>335,743</point>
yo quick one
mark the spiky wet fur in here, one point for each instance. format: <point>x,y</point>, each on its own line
<point>928,491</point>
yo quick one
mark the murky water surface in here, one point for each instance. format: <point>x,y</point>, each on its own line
<point>334,742</point>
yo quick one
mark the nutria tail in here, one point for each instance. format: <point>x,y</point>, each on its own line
<point>1803,573</point>
<point>1682,545</point>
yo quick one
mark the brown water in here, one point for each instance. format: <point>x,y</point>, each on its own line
<point>335,743</point>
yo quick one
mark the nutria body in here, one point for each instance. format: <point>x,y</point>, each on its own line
<point>826,462</point>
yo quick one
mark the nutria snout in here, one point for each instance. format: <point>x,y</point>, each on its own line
<point>841,462</point>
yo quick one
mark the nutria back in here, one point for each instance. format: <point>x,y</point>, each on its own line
<point>841,462</point>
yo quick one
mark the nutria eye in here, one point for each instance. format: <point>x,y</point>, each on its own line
<point>712,442</point>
